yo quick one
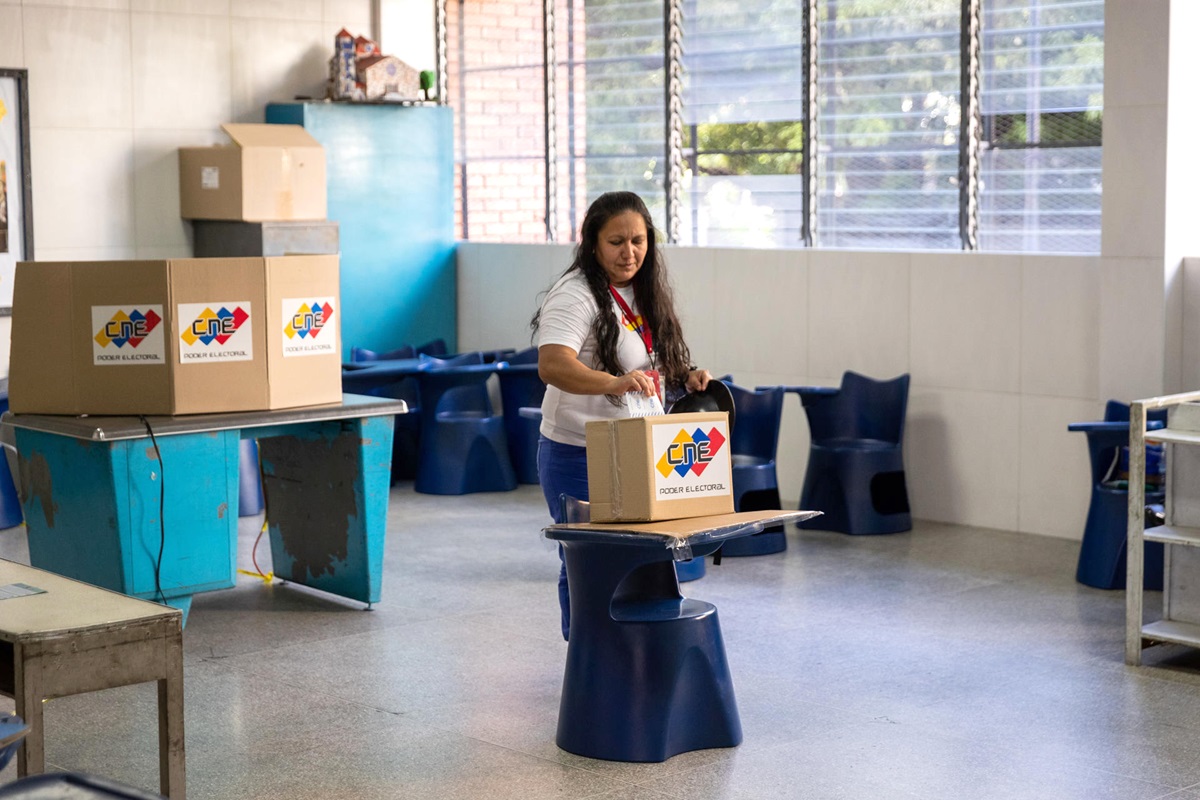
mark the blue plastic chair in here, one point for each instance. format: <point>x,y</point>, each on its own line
<point>406,436</point>
<point>72,786</point>
<point>1102,551</point>
<point>10,504</point>
<point>646,675</point>
<point>521,387</point>
<point>12,734</point>
<point>754,442</point>
<point>855,464</point>
<point>250,493</point>
<point>463,445</point>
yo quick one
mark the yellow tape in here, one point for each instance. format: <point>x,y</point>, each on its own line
<point>270,576</point>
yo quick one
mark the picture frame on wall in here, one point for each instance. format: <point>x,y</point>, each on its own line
<point>16,185</point>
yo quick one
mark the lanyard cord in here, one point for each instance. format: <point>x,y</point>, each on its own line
<point>641,327</point>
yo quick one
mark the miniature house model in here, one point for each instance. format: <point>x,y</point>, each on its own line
<point>358,71</point>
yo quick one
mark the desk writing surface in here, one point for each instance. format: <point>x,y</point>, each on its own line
<point>65,605</point>
<point>115,428</point>
<point>713,526</point>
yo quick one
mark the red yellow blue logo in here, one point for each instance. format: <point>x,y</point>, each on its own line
<point>308,321</point>
<point>215,326</point>
<point>127,328</point>
<point>690,452</point>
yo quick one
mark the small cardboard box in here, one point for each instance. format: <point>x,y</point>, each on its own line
<point>671,466</point>
<point>269,173</point>
<point>179,336</point>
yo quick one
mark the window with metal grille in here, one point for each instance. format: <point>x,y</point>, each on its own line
<point>612,123</point>
<point>743,106</point>
<point>887,132</point>
<point>1042,65</point>
<point>888,124</point>
<point>494,68</point>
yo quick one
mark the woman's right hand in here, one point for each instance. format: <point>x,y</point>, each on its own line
<point>559,366</point>
<point>636,381</point>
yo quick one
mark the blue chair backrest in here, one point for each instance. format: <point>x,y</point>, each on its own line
<point>520,388</point>
<point>460,360</point>
<point>573,510</point>
<point>359,354</point>
<point>456,391</point>
<point>758,417</point>
<point>1103,446</point>
<point>864,409</point>
<point>437,347</point>
<point>1116,411</point>
<point>527,356</point>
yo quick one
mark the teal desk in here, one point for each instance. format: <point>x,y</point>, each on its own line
<point>100,508</point>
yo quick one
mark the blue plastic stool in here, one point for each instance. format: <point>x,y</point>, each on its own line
<point>754,442</point>
<point>71,786</point>
<point>693,569</point>
<point>521,387</point>
<point>1103,548</point>
<point>463,444</point>
<point>855,472</point>
<point>646,675</point>
<point>250,494</point>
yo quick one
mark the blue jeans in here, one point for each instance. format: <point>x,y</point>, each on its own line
<point>562,469</point>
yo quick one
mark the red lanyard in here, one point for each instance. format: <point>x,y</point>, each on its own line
<point>642,329</point>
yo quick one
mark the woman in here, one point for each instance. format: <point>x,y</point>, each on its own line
<point>607,328</point>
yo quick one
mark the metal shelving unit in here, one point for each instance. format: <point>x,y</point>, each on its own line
<point>1180,533</point>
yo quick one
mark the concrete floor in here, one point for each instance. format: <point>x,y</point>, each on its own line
<point>948,662</point>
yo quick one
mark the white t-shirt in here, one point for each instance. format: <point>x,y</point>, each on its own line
<point>567,315</point>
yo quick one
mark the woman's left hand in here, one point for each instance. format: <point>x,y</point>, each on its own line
<point>697,380</point>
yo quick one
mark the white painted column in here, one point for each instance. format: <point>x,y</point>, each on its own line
<point>1150,219</point>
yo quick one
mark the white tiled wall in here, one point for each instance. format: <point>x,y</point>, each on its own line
<point>117,86</point>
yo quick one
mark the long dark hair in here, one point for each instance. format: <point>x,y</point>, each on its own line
<point>651,292</point>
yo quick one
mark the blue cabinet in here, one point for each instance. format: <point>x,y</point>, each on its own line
<point>391,190</point>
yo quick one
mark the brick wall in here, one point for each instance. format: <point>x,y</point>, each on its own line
<point>494,72</point>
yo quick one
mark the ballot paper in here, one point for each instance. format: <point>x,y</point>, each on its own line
<point>11,590</point>
<point>639,405</point>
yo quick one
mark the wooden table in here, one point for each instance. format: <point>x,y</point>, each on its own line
<point>73,638</point>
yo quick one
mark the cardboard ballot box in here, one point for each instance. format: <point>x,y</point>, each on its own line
<point>268,173</point>
<point>670,466</point>
<point>179,336</point>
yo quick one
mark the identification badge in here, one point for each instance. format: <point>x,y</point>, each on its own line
<point>653,375</point>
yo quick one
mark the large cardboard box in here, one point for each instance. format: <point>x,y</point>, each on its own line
<point>180,336</point>
<point>671,466</point>
<point>268,173</point>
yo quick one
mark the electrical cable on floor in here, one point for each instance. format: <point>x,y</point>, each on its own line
<point>267,577</point>
<point>162,525</point>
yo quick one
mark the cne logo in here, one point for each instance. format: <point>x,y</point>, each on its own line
<point>308,321</point>
<point>690,452</point>
<point>127,328</point>
<point>215,326</point>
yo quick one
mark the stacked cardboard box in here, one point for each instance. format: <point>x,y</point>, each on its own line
<point>176,336</point>
<point>268,173</point>
<point>191,335</point>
